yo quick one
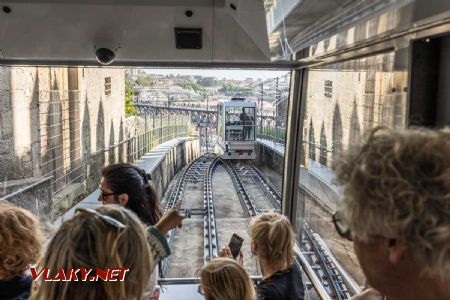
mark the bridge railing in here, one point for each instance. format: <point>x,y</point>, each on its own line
<point>272,133</point>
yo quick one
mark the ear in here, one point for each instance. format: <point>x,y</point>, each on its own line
<point>123,199</point>
<point>396,250</point>
<point>254,248</point>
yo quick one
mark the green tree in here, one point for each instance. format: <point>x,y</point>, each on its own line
<point>231,89</point>
<point>195,87</point>
<point>207,81</point>
<point>130,109</point>
<point>146,80</point>
<point>228,88</point>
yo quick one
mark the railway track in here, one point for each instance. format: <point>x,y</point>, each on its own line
<point>248,181</point>
<point>211,243</point>
<point>319,258</point>
<point>198,171</point>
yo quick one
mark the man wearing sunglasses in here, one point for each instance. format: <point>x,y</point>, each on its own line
<point>396,210</point>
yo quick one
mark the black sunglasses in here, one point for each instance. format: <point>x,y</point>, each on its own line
<point>341,225</point>
<point>107,219</point>
<point>104,194</point>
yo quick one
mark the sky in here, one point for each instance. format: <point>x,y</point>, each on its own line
<point>220,73</point>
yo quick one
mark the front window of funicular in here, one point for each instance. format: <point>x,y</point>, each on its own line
<point>240,124</point>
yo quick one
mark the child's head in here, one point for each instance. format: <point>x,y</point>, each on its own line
<point>224,279</point>
<point>273,239</point>
<point>20,240</point>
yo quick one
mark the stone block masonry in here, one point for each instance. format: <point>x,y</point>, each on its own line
<point>51,121</point>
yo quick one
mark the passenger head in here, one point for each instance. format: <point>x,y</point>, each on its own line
<point>130,186</point>
<point>396,201</point>
<point>273,239</point>
<point>20,239</point>
<point>91,240</point>
<point>225,279</point>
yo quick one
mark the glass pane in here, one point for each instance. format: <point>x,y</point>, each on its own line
<point>240,124</point>
<point>344,101</point>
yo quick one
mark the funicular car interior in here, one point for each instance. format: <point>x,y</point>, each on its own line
<point>394,40</point>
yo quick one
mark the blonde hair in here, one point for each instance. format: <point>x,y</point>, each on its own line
<point>225,279</point>
<point>21,240</point>
<point>397,185</point>
<point>87,241</point>
<point>272,233</point>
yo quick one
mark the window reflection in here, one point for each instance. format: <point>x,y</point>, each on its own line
<point>240,124</point>
<point>344,101</point>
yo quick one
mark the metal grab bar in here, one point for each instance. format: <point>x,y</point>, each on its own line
<point>194,280</point>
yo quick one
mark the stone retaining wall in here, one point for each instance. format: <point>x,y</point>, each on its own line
<point>174,160</point>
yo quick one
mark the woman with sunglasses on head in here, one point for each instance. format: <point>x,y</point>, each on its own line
<point>396,210</point>
<point>108,237</point>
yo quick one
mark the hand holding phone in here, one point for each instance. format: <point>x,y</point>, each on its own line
<point>235,245</point>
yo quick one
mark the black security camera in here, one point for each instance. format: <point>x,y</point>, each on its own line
<point>105,56</point>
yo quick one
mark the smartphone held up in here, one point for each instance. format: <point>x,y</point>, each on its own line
<point>235,245</point>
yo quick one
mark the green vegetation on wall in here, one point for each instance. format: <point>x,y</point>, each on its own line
<point>130,109</point>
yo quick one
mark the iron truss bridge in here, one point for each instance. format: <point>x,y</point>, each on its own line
<point>153,109</point>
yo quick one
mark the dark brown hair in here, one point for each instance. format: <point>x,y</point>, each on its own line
<point>135,182</point>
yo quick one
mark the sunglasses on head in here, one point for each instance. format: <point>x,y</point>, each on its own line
<point>107,219</point>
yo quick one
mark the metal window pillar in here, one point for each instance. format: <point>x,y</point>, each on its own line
<point>261,109</point>
<point>276,111</point>
<point>293,144</point>
<point>207,124</point>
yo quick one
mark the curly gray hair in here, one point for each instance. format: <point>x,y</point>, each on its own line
<point>397,185</point>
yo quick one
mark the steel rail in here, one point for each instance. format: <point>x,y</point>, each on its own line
<point>329,275</point>
<point>350,283</point>
<point>243,194</point>
<point>273,190</point>
<point>177,191</point>
<point>175,199</point>
<point>325,276</point>
<point>200,170</point>
<point>268,191</point>
<point>211,243</point>
<point>316,282</point>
